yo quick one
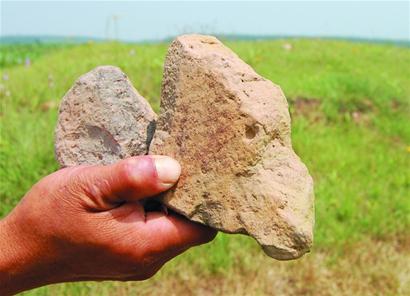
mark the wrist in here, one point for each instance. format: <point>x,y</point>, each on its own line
<point>22,265</point>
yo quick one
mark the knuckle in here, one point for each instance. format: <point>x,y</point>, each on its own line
<point>150,266</point>
<point>125,172</point>
<point>123,167</point>
<point>150,273</point>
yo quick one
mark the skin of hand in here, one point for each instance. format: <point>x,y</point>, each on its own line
<point>89,223</point>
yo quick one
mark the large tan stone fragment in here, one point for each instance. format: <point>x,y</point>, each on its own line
<point>230,130</point>
<point>102,119</point>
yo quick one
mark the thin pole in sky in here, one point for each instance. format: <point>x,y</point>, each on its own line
<point>111,27</point>
<point>115,19</point>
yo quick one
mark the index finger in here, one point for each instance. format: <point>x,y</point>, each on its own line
<point>174,233</point>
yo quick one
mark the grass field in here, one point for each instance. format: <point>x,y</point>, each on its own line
<point>350,105</point>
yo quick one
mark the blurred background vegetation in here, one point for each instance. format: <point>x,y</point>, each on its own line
<point>350,108</point>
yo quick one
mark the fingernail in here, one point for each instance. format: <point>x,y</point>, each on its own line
<point>168,169</point>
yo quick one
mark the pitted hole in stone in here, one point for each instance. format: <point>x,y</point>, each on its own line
<point>251,131</point>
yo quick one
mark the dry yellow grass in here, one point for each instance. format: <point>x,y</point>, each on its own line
<point>367,268</point>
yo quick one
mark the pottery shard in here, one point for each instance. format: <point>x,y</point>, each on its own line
<point>102,119</point>
<point>230,130</point>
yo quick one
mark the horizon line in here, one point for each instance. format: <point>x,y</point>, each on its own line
<point>235,36</point>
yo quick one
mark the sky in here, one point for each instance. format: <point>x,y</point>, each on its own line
<point>138,21</point>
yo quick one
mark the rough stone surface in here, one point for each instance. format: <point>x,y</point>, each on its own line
<point>228,127</point>
<point>102,119</point>
<point>230,130</point>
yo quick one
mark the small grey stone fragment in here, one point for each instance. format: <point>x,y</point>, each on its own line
<point>102,119</point>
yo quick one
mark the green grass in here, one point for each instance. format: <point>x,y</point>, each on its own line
<point>355,140</point>
<point>19,54</point>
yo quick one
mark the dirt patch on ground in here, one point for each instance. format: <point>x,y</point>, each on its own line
<point>48,105</point>
<point>306,107</point>
<point>360,112</point>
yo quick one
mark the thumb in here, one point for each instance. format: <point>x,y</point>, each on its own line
<point>129,180</point>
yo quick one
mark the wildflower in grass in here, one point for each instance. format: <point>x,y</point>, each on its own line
<point>50,81</point>
<point>5,76</point>
<point>27,62</point>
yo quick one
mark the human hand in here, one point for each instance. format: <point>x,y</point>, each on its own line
<point>89,223</point>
